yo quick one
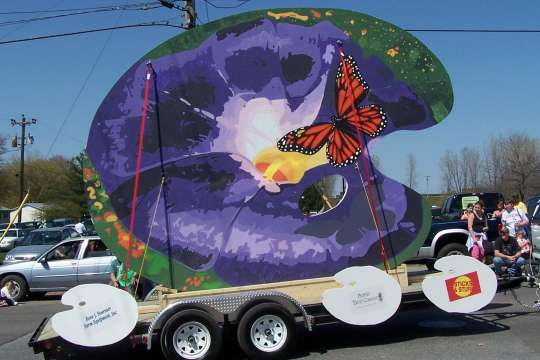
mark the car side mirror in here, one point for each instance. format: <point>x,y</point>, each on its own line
<point>42,260</point>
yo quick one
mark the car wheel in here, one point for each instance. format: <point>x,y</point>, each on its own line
<point>20,288</point>
<point>191,335</point>
<point>266,331</point>
<point>453,249</point>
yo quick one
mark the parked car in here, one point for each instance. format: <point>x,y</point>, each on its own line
<point>29,225</point>
<point>67,264</point>
<point>58,222</point>
<point>448,233</point>
<point>37,242</point>
<point>12,235</point>
<point>454,205</point>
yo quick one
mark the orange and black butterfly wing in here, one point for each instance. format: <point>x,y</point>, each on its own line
<point>306,140</point>
<point>343,149</point>
<point>369,119</point>
<point>350,86</point>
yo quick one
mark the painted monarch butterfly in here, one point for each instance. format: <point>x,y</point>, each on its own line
<point>341,133</point>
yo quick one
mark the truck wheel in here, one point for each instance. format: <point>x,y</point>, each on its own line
<point>20,290</point>
<point>191,334</point>
<point>453,249</point>
<point>266,331</point>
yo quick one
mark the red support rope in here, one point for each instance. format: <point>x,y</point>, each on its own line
<point>149,72</point>
<point>369,192</point>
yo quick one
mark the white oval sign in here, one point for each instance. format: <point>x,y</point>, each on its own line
<point>465,284</point>
<point>369,296</point>
<point>101,315</point>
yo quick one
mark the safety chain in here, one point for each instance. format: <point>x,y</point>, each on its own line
<point>534,307</point>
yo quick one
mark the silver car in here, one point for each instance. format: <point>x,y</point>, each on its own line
<point>37,242</point>
<point>67,264</point>
<point>10,237</point>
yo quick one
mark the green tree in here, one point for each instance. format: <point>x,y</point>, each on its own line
<point>56,182</point>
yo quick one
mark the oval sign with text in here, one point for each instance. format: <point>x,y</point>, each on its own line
<point>465,284</point>
<point>101,315</point>
<point>369,296</point>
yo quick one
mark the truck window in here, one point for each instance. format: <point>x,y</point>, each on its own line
<point>466,200</point>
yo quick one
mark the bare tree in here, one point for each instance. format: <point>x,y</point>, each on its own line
<point>2,146</point>
<point>522,163</point>
<point>493,163</point>
<point>411,172</point>
<point>471,168</point>
<point>451,172</point>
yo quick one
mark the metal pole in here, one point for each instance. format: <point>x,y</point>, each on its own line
<point>21,174</point>
<point>190,15</point>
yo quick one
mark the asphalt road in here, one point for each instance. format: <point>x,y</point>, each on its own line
<point>503,330</point>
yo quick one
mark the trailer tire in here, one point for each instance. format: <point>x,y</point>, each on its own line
<point>269,320</point>
<point>453,249</point>
<point>191,334</point>
<point>21,288</point>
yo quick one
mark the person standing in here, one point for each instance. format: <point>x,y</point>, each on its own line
<point>513,218</point>
<point>498,213</point>
<point>507,253</point>
<point>121,279</point>
<point>519,204</point>
<point>80,228</point>
<point>477,226</point>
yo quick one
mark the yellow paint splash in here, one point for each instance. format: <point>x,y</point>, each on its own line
<point>392,52</point>
<point>287,167</point>
<point>289,14</point>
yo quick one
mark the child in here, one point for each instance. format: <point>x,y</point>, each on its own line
<point>478,248</point>
<point>524,244</point>
<point>5,293</point>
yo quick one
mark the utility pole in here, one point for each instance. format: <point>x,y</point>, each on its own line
<point>427,184</point>
<point>190,16</point>
<point>23,123</point>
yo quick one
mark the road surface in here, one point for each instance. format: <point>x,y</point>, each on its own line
<point>503,330</point>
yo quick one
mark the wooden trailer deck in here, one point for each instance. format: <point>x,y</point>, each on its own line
<point>306,292</point>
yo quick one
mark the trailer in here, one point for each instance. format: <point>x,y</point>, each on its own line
<point>267,318</point>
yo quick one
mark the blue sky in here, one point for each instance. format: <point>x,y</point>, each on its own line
<point>495,76</point>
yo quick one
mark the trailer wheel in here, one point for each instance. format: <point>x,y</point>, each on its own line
<point>20,288</point>
<point>266,331</point>
<point>190,335</point>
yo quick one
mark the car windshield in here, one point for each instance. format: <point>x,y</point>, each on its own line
<point>43,238</point>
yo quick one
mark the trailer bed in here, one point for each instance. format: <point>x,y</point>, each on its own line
<point>308,293</point>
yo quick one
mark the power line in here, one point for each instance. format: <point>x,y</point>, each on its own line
<point>154,23</point>
<point>85,82</point>
<point>116,7</point>
<point>14,30</point>
<point>207,16</point>
<point>243,2</point>
<point>25,21</point>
